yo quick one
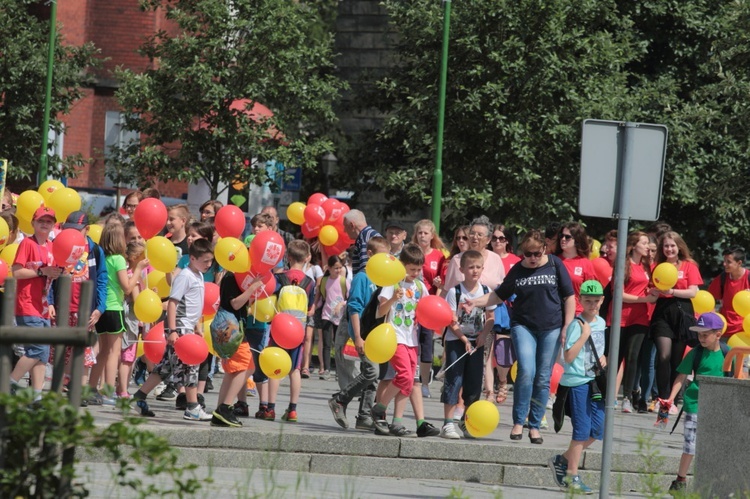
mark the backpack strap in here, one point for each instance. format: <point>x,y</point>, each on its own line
<point>458,294</point>
<point>323,281</point>
<point>344,290</point>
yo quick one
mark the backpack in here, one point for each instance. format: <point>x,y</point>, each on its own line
<point>226,333</point>
<point>293,296</point>
<point>485,290</point>
<point>324,281</point>
<point>369,320</point>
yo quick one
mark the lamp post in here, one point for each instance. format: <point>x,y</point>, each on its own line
<point>44,158</point>
<point>437,177</point>
<point>330,165</point>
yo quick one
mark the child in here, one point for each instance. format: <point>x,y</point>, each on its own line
<point>133,254</point>
<point>177,220</point>
<point>186,297</point>
<point>584,399</point>
<point>398,304</point>
<point>360,293</point>
<point>709,329</point>
<point>465,334</point>
<point>298,253</point>
<point>333,294</point>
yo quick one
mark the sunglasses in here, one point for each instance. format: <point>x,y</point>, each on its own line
<point>567,237</point>
<point>535,254</point>
<point>462,238</point>
<point>498,238</point>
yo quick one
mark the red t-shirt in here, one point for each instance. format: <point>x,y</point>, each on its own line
<point>509,260</point>
<point>688,275</point>
<point>580,269</point>
<point>31,294</point>
<point>433,264</point>
<point>731,288</point>
<point>635,313</point>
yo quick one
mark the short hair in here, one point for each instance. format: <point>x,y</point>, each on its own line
<point>411,254</point>
<point>205,230</point>
<point>183,209</point>
<point>355,217</point>
<point>134,194</point>
<point>377,244</point>
<point>534,237</point>
<point>112,240</point>
<point>297,251</point>
<point>471,255</point>
<point>262,218</point>
<point>611,235</point>
<point>552,229</point>
<point>737,252</point>
<point>151,192</point>
<point>484,222</point>
<point>199,248</point>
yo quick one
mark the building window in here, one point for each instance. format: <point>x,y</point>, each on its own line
<point>116,141</point>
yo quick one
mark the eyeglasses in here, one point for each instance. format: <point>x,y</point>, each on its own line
<point>131,206</point>
<point>461,238</point>
<point>477,234</point>
<point>498,238</point>
<point>534,254</point>
<point>566,237</point>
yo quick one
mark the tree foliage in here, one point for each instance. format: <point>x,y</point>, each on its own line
<point>23,76</point>
<point>250,51</point>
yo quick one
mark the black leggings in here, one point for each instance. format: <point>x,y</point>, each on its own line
<point>669,354</point>
<point>631,340</point>
<point>327,333</point>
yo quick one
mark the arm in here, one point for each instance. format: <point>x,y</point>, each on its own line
<point>677,386</point>
<point>171,322</point>
<point>489,323</point>
<point>21,272</point>
<point>570,354</point>
<point>569,312</point>
<point>387,303</point>
<point>128,283</point>
<point>247,296</point>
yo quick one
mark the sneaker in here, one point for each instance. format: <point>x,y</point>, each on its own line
<point>449,431</point>
<point>399,430</point>
<point>110,401</point>
<point>169,393</point>
<point>574,483</point>
<point>379,422</point>
<point>339,412</point>
<point>426,429</point>
<point>252,390</point>
<point>219,423</point>
<point>426,392</point>
<point>269,415</point>
<point>261,414</point>
<point>642,407</point>
<point>462,427</point>
<point>550,402</point>
<point>627,406</point>
<point>364,423</point>
<point>544,425</point>
<point>241,409</point>
<point>142,407</point>
<point>94,399</point>
<point>180,403</point>
<point>197,414</point>
<point>289,416</point>
<point>323,375</point>
<point>652,405</point>
<point>159,388</point>
<point>225,415</point>
<point>209,386</point>
<point>677,486</point>
<point>559,466</point>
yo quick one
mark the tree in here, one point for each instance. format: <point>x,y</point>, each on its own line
<point>23,75</point>
<point>200,110</point>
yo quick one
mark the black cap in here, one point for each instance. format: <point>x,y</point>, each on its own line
<point>396,224</point>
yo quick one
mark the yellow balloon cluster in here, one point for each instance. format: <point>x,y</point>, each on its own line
<point>64,201</point>
<point>381,344</point>
<point>296,213</point>
<point>741,303</point>
<point>95,232</point>
<point>595,252</point>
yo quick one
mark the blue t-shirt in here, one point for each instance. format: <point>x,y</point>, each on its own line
<point>581,370</point>
<point>361,290</point>
<point>539,294</point>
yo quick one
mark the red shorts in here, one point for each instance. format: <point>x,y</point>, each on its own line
<point>404,362</point>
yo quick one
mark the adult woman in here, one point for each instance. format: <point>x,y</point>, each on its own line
<point>544,304</point>
<point>502,244</point>
<point>459,245</point>
<point>479,236</point>
<point>573,249</point>
<point>209,209</point>
<point>671,305</point>
<point>130,203</point>
<point>635,315</point>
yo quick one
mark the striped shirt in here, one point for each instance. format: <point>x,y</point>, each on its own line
<point>359,258</point>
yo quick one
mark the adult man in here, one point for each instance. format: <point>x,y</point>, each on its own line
<point>356,227</point>
<point>726,285</point>
<point>395,234</point>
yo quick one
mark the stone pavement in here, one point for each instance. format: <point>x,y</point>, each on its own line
<point>317,445</point>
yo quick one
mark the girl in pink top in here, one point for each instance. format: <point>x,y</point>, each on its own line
<point>333,293</point>
<point>573,249</point>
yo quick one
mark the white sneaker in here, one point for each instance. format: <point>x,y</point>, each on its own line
<point>197,414</point>
<point>627,406</point>
<point>550,402</point>
<point>426,392</point>
<point>449,431</point>
<point>159,388</point>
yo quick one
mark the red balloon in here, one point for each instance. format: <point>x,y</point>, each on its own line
<point>433,312</point>
<point>332,209</point>
<point>287,331</point>
<point>68,247</point>
<point>210,298</point>
<point>191,349</point>
<point>230,221</point>
<point>154,343</point>
<point>310,232</point>
<point>554,380</point>
<point>266,250</point>
<point>314,215</point>
<point>603,270</point>
<point>150,217</point>
<point>3,272</point>
<point>317,198</point>
<point>246,278</point>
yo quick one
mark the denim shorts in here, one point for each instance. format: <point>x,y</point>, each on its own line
<point>34,351</point>
<point>587,415</point>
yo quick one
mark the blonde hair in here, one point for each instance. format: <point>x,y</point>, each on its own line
<point>113,239</point>
<point>435,242</point>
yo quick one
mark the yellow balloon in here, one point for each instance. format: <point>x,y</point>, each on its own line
<point>380,344</point>
<point>28,202</point>
<point>95,232</point>
<point>724,320</point>
<point>385,269</point>
<point>158,279</point>
<point>8,254</point>
<point>514,371</point>
<point>64,201</point>
<point>4,233</point>
<point>328,235</point>
<point>48,187</point>
<point>147,306</point>
<point>482,418</point>
<point>264,310</point>
<point>161,253</point>
<point>295,212</point>
<point>746,324</point>
<point>139,348</point>
<point>596,246</point>
<point>232,254</point>
<point>741,303</point>
<point>739,340</point>
<point>207,335</point>
<point>25,225</point>
<point>275,362</point>
<point>703,302</point>
<point>665,276</point>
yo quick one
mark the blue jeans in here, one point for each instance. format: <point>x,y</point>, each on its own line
<point>536,352</point>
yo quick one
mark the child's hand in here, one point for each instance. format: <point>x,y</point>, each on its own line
<point>142,264</point>
<point>467,306</point>
<point>585,330</point>
<point>603,361</point>
<point>398,293</point>
<point>437,282</point>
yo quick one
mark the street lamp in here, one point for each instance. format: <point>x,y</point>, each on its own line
<point>330,166</point>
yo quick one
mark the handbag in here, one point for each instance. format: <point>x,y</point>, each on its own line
<point>599,384</point>
<point>685,322</point>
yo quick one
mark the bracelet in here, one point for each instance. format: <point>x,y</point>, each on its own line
<point>168,331</point>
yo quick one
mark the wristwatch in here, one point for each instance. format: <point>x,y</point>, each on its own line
<point>39,272</point>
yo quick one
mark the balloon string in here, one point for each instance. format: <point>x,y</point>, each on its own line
<point>461,357</point>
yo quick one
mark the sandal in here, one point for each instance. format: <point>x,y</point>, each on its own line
<point>502,394</point>
<point>305,373</point>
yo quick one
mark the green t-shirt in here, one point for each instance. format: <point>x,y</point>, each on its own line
<point>711,365</point>
<point>115,295</point>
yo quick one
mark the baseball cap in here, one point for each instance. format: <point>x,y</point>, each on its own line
<point>76,220</point>
<point>395,224</point>
<point>43,211</point>
<point>591,288</point>
<point>708,322</point>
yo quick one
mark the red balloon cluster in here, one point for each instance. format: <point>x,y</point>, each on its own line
<point>191,349</point>
<point>287,331</point>
<point>266,251</point>
<point>210,298</point>
<point>433,312</point>
<point>150,217</point>
<point>154,343</point>
<point>324,219</point>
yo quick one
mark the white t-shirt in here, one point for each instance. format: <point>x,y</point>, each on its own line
<point>471,324</point>
<point>188,289</point>
<point>402,315</point>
